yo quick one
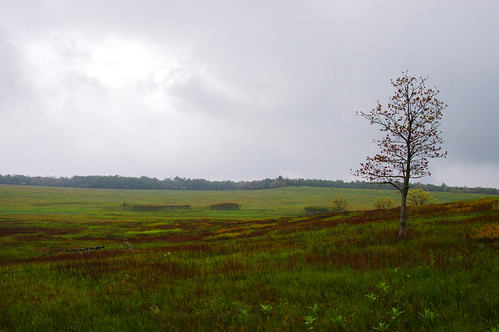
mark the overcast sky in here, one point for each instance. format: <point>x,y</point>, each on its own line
<point>238,90</point>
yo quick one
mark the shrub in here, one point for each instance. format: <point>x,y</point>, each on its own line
<point>383,203</point>
<point>152,207</point>
<point>419,197</point>
<point>317,210</point>
<point>176,207</point>
<point>340,204</point>
<point>143,207</point>
<point>225,206</point>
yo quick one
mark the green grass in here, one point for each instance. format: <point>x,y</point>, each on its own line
<point>266,267</point>
<point>279,201</point>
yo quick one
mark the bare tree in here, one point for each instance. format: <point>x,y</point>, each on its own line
<point>340,204</point>
<point>411,122</point>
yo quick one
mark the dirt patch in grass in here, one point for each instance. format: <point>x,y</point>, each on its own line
<point>187,247</point>
<point>34,230</point>
<point>171,238</point>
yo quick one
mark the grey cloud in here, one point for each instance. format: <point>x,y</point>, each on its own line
<point>14,89</point>
<point>195,94</point>
<point>256,89</point>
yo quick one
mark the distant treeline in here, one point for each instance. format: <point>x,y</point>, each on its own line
<point>177,183</point>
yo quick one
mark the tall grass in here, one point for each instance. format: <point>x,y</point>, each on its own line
<point>230,272</point>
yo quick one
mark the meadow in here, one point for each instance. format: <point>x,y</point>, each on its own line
<point>264,267</point>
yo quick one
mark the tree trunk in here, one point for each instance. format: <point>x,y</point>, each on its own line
<point>403,212</point>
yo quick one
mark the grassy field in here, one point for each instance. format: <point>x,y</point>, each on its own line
<point>265,267</point>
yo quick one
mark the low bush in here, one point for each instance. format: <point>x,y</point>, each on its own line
<point>225,206</point>
<point>317,210</point>
<point>383,203</point>
<point>152,207</point>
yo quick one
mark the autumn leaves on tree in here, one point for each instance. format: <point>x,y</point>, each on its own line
<point>410,123</point>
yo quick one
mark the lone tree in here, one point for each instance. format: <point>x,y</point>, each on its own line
<point>411,122</point>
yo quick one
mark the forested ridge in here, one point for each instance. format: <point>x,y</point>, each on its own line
<point>177,183</point>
